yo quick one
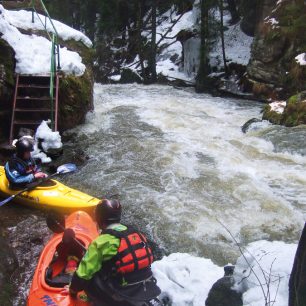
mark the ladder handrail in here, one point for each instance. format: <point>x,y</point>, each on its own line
<point>45,27</point>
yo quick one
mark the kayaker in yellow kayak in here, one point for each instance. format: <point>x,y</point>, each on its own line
<point>22,169</point>
<point>116,264</point>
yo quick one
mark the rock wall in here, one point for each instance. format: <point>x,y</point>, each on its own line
<point>280,37</point>
<point>7,84</point>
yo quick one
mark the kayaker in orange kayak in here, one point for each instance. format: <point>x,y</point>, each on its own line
<point>22,169</point>
<point>116,269</point>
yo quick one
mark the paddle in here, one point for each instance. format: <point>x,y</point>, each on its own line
<point>56,223</point>
<point>66,168</point>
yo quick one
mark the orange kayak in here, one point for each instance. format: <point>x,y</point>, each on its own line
<point>50,276</point>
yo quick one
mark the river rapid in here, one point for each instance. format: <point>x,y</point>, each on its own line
<point>182,166</point>
<point>180,162</point>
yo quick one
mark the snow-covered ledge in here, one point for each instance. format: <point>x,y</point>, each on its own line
<point>33,52</point>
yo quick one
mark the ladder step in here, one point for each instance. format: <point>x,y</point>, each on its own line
<point>27,122</point>
<point>33,110</point>
<point>34,98</point>
<point>33,86</point>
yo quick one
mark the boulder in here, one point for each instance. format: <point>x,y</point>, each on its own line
<point>279,39</point>
<point>295,111</point>
<point>222,294</point>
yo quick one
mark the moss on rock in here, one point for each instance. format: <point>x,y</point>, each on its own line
<point>270,115</point>
<point>75,99</point>
<point>294,113</point>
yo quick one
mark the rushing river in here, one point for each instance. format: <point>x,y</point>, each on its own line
<point>181,164</point>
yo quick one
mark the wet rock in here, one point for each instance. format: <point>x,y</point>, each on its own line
<point>222,294</point>
<point>27,238</point>
<point>76,156</point>
<point>8,264</point>
<point>7,84</point>
<point>297,282</point>
<point>276,44</point>
<point>76,99</point>
<point>295,111</point>
<point>247,125</point>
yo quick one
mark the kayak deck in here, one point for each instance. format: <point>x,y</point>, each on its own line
<point>50,276</point>
<point>53,195</point>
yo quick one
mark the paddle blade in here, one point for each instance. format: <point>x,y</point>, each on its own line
<point>56,222</point>
<point>6,200</point>
<point>66,168</point>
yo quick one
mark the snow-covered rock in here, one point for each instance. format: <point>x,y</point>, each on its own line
<point>33,52</point>
<point>23,20</point>
<point>278,106</point>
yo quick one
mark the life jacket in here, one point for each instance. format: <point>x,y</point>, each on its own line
<point>134,253</point>
<point>26,167</point>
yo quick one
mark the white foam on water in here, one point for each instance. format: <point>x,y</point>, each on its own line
<point>191,165</point>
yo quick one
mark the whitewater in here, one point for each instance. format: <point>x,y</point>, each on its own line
<point>182,165</point>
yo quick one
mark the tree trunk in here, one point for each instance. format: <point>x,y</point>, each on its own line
<point>139,37</point>
<point>222,36</point>
<point>233,10</point>
<point>152,60</point>
<point>202,83</point>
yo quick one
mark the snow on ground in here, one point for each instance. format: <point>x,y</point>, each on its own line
<point>23,19</point>
<point>166,65</point>
<point>237,45</point>
<point>278,106</point>
<point>49,140</point>
<point>170,62</point>
<point>186,279</point>
<point>301,59</point>
<point>272,263</point>
<point>32,52</point>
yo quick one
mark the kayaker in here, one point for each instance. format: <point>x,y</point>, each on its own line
<point>22,169</point>
<point>116,264</point>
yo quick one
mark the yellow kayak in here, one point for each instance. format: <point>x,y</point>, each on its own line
<point>52,195</point>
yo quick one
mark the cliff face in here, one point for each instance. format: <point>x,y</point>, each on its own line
<point>7,83</point>
<point>273,71</point>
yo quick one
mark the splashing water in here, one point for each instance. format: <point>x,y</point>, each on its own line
<point>181,163</point>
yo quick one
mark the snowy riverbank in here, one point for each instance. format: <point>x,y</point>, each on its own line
<point>186,279</point>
